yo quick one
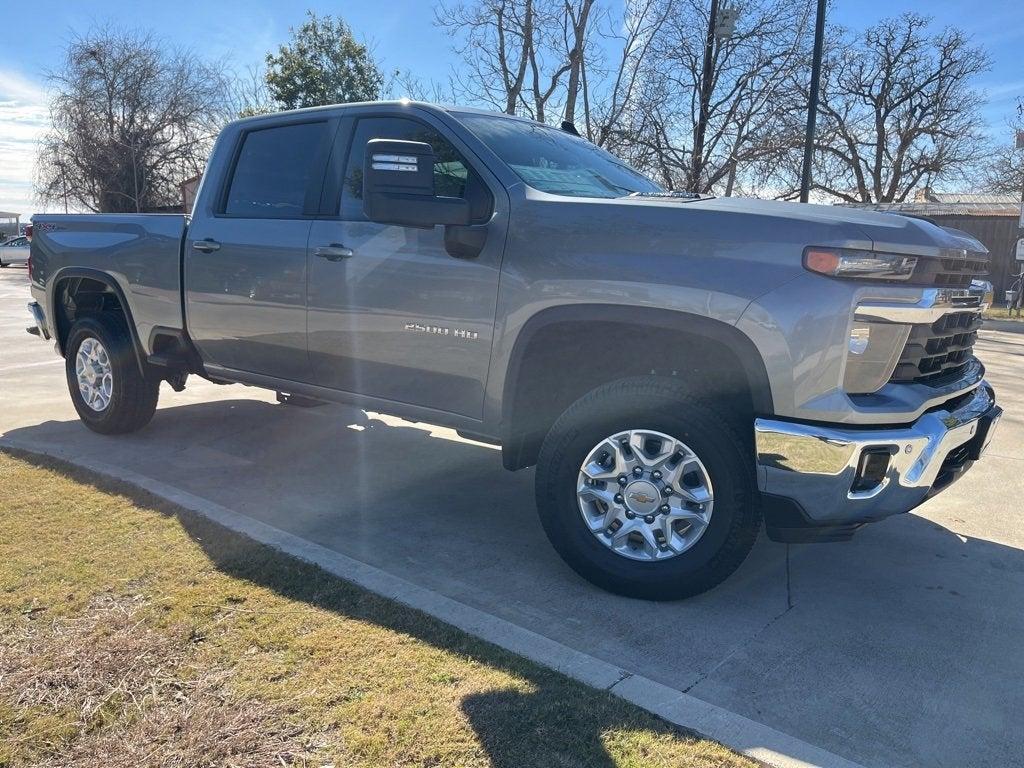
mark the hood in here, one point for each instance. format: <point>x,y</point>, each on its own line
<point>889,232</point>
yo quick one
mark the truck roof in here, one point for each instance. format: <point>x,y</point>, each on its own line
<point>449,108</point>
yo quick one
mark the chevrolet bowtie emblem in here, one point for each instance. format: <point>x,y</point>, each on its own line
<point>641,498</point>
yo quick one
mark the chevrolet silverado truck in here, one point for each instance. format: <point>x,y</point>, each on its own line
<point>680,369</point>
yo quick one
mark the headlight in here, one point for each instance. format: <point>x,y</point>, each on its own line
<point>861,265</point>
<point>873,351</point>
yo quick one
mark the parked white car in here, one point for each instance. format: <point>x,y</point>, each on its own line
<point>14,251</point>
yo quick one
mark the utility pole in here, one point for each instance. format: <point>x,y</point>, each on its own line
<point>812,101</point>
<point>707,81</point>
<point>1018,298</point>
<point>1020,146</point>
<point>721,25</point>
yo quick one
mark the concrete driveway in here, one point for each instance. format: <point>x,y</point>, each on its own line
<point>900,648</point>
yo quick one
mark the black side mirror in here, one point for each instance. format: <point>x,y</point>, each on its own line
<point>398,186</point>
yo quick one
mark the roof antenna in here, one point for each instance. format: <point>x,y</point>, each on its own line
<point>568,127</point>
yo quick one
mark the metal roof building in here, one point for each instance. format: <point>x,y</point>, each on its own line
<point>992,219</point>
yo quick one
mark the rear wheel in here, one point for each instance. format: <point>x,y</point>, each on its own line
<point>108,390</point>
<point>648,491</point>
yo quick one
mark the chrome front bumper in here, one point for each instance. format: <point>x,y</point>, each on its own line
<point>816,465</point>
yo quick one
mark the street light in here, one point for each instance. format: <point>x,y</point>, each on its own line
<point>812,101</point>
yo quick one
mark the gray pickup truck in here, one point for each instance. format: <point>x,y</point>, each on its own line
<point>678,368</point>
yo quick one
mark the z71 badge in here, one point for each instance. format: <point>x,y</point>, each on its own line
<point>437,330</point>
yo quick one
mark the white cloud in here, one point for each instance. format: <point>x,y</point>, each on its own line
<point>15,86</point>
<point>1004,91</point>
<point>24,118</point>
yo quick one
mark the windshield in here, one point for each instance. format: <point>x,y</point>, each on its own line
<point>555,161</point>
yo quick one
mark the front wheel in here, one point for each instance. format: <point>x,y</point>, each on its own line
<point>107,388</point>
<point>647,491</point>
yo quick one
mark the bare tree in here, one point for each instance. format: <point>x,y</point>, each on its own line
<point>897,110</point>
<point>248,94</point>
<point>130,121</point>
<point>751,93</point>
<point>519,53</point>
<point>576,22</point>
<point>616,87</point>
<point>639,82</point>
<point>494,38</point>
<point>1004,172</point>
<point>405,84</point>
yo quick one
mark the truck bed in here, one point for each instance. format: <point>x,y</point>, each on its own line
<point>140,251</point>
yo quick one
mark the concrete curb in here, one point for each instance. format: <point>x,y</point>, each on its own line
<point>739,733</point>
<point>1006,326</point>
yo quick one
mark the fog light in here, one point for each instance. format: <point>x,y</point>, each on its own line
<point>874,463</point>
<point>860,337</point>
<point>873,349</point>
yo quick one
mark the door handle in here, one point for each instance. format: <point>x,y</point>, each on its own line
<point>333,252</point>
<point>209,245</point>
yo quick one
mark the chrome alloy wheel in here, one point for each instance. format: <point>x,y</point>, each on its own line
<point>95,375</point>
<point>645,495</point>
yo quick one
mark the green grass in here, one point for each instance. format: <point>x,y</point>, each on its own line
<point>133,633</point>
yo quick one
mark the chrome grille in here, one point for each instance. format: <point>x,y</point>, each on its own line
<point>939,351</point>
<point>955,272</point>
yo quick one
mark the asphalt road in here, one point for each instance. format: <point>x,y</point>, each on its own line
<point>900,648</point>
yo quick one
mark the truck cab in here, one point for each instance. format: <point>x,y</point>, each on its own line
<point>285,275</point>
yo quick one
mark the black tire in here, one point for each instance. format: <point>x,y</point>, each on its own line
<point>663,405</point>
<point>133,396</point>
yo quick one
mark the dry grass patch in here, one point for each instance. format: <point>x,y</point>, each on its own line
<point>103,688</point>
<point>134,634</point>
<point>1001,313</point>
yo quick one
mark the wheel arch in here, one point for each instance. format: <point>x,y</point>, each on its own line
<point>567,328</point>
<point>67,277</point>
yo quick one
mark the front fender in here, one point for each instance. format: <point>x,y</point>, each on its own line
<point>721,332</point>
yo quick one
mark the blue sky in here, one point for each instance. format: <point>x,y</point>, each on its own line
<point>401,32</point>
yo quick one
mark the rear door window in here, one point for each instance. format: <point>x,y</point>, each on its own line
<point>274,171</point>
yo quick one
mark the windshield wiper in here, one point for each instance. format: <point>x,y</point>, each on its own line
<point>670,195</point>
<point>613,187</point>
